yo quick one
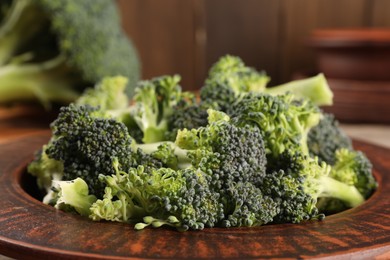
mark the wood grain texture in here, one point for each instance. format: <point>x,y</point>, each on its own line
<point>31,230</point>
<point>248,29</point>
<point>188,36</point>
<point>163,32</point>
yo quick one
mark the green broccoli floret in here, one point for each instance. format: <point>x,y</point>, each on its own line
<point>86,145</point>
<point>108,94</point>
<point>52,50</point>
<point>352,168</point>
<point>156,100</point>
<point>246,206</point>
<point>229,80</point>
<point>298,181</point>
<point>283,121</point>
<point>72,196</point>
<point>45,169</point>
<point>189,115</point>
<point>157,197</point>
<point>325,138</point>
<point>227,152</point>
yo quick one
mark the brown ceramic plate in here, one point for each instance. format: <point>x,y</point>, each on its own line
<point>32,230</point>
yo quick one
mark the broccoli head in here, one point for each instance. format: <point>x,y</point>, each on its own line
<point>230,79</point>
<point>157,197</point>
<point>325,138</point>
<point>283,121</point>
<point>298,181</point>
<point>187,115</point>
<point>226,152</point>
<point>87,145</point>
<point>156,100</point>
<point>52,50</point>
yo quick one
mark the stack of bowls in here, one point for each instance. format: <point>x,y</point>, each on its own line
<point>356,63</point>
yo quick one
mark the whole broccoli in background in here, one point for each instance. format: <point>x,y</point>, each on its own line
<point>52,50</point>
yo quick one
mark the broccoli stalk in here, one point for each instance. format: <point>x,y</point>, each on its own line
<point>155,102</point>
<point>37,81</point>
<point>52,50</point>
<point>72,196</point>
<point>298,182</point>
<point>314,88</point>
<point>230,80</point>
<point>332,188</point>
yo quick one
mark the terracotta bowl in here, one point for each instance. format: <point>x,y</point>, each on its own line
<point>358,54</point>
<point>32,230</point>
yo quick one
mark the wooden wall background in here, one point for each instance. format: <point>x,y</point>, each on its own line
<point>188,36</point>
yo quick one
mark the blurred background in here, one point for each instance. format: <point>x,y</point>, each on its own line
<point>187,36</point>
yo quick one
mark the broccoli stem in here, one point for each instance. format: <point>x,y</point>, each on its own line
<point>336,189</point>
<point>315,88</point>
<point>31,81</point>
<point>149,148</point>
<point>22,23</point>
<point>154,134</point>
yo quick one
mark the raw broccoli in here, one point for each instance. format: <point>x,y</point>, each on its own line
<point>108,95</point>
<point>189,115</point>
<point>86,145</point>
<point>229,161</point>
<point>297,181</point>
<point>352,168</point>
<point>227,152</point>
<point>45,169</point>
<point>52,50</point>
<point>247,206</point>
<point>156,100</point>
<point>229,80</point>
<point>72,196</point>
<point>283,121</point>
<point>159,197</point>
<point>325,138</point>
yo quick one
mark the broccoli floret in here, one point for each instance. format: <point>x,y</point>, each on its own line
<point>325,138</point>
<point>108,94</point>
<point>227,152</point>
<point>157,197</point>
<point>298,181</point>
<point>283,121</point>
<point>354,168</point>
<point>246,206</point>
<point>189,115</point>
<point>45,169</point>
<point>72,196</point>
<point>52,50</point>
<point>156,100</point>
<point>86,145</point>
<point>229,80</point>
